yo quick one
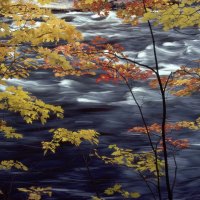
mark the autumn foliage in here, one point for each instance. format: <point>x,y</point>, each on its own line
<point>107,63</point>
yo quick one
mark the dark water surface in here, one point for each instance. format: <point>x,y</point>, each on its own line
<point>109,109</point>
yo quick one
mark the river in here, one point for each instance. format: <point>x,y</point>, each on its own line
<point>109,109</point>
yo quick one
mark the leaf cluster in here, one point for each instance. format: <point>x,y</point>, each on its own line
<point>62,135</point>
<point>36,193</point>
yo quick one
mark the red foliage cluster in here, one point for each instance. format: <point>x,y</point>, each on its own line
<point>98,6</point>
<point>98,55</point>
<point>169,127</point>
<point>156,128</point>
<point>180,143</point>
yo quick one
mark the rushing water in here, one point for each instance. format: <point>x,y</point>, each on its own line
<point>109,109</point>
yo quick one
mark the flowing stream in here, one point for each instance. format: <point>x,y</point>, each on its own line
<point>109,109</point>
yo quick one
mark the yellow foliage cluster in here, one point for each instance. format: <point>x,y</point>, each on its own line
<point>55,59</point>
<point>9,132</point>
<point>62,135</point>
<point>117,188</point>
<point>36,193</point>
<point>26,30</point>
<point>9,164</point>
<point>181,15</point>
<point>141,162</point>
<point>190,124</point>
<point>54,29</point>
<point>15,99</point>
